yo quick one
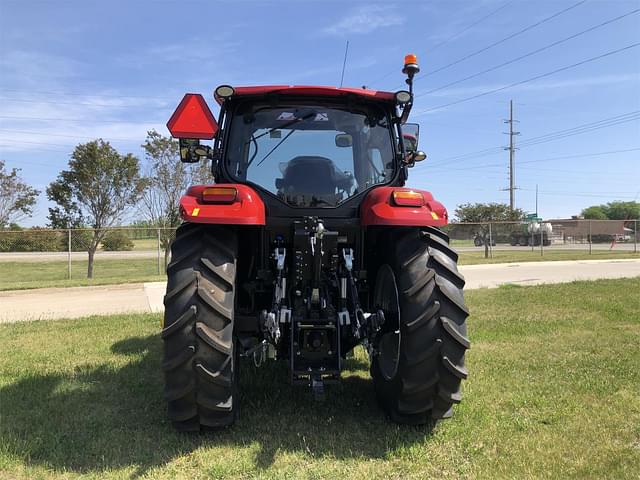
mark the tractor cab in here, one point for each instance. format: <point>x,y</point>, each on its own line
<point>308,153</point>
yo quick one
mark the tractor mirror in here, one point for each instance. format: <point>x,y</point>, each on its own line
<point>412,157</point>
<point>410,135</point>
<point>191,151</point>
<point>418,156</point>
<point>344,140</point>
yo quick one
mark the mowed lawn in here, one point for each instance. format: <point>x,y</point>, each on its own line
<point>18,275</point>
<point>553,392</point>
<point>54,273</point>
<point>527,255</point>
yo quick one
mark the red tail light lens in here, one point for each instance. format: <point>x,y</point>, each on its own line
<point>408,198</point>
<point>219,194</point>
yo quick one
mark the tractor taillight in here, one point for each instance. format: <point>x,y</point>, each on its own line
<point>219,194</point>
<point>408,198</point>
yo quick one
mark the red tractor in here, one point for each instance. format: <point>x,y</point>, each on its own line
<point>307,245</point>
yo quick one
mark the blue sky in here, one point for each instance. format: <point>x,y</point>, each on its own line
<point>71,71</point>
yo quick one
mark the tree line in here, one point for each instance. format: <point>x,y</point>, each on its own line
<point>101,186</point>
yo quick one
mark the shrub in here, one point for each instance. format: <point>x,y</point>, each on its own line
<point>32,241</point>
<point>117,240</point>
<point>80,240</point>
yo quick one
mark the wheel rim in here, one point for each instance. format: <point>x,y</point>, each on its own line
<point>386,298</point>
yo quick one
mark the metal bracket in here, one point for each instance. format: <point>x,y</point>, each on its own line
<point>347,255</point>
<point>344,318</point>
<point>279,255</point>
<point>271,325</point>
<point>317,385</point>
<point>285,315</point>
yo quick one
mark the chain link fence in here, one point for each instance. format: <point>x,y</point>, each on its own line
<point>569,238</point>
<point>47,257</point>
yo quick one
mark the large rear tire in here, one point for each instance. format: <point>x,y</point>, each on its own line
<point>199,364</point>
<point>418,364</point>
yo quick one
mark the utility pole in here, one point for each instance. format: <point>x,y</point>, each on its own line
<point>512,150</point>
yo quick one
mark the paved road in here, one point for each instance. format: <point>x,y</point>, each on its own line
<point>49,303</point>
<point>535,273</point>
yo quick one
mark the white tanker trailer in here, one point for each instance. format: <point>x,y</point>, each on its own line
<point>531,233</point>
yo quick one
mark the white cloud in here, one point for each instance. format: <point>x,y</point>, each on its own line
<point>51,123</point>
<point>365,19</point>
<point>30,68</point>
<point>196,49</point>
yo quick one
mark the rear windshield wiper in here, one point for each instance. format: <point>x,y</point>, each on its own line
<point>274,148</point>
<point>310,114</point>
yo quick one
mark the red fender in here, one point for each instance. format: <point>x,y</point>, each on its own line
<point>378,208</point>
<point>247,209</point>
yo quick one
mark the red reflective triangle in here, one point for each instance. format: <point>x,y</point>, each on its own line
<point>193,119</point>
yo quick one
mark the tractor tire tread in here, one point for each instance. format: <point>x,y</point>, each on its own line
<point>433,328</point>
<point>199,354</point>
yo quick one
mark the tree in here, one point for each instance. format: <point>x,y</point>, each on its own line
<point>623,210</point>
<point>168,179</point>
<point>97,190</point>
<point>595,212</point>
<point>616,210</point>
<point>480,214</point>
<point>16,197</point>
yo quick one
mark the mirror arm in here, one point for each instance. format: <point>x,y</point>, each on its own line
<point>407,108</point>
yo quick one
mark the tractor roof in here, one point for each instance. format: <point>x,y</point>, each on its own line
<point>311,91</point>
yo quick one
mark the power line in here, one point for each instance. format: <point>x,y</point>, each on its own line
<point>66,136</point>
<point>469,27</point>
<point>541,49</point>
<point>81,120</point>
<point>584,128</point>
<point>582,194</point>
<point>495,150</point>
<point>537,77</point>
<point>75,94</point>
<point>557,135</point>
<point>453,37</point>
<point>501,41</point>
<point>91,104</point>
<point>42,143</point>
<point>563,157</point>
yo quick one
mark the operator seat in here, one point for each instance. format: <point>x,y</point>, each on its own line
<point>308,176</point>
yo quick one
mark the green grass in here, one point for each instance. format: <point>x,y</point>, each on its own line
<point>145,244</point>
<point>18,275</point>
<point>461,243</point>
<point>526,255</point>
<point>24,275</point>
<point>553,392</point>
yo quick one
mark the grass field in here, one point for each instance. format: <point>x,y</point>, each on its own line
<point>24,275</point>
<point>553,392</point>
<point>526,255</point>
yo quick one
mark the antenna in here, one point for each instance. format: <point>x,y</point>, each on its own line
<point>344,62</point>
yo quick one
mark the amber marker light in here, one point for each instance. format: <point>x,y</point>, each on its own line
<point>408,198</point>
<point>219,194</point>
